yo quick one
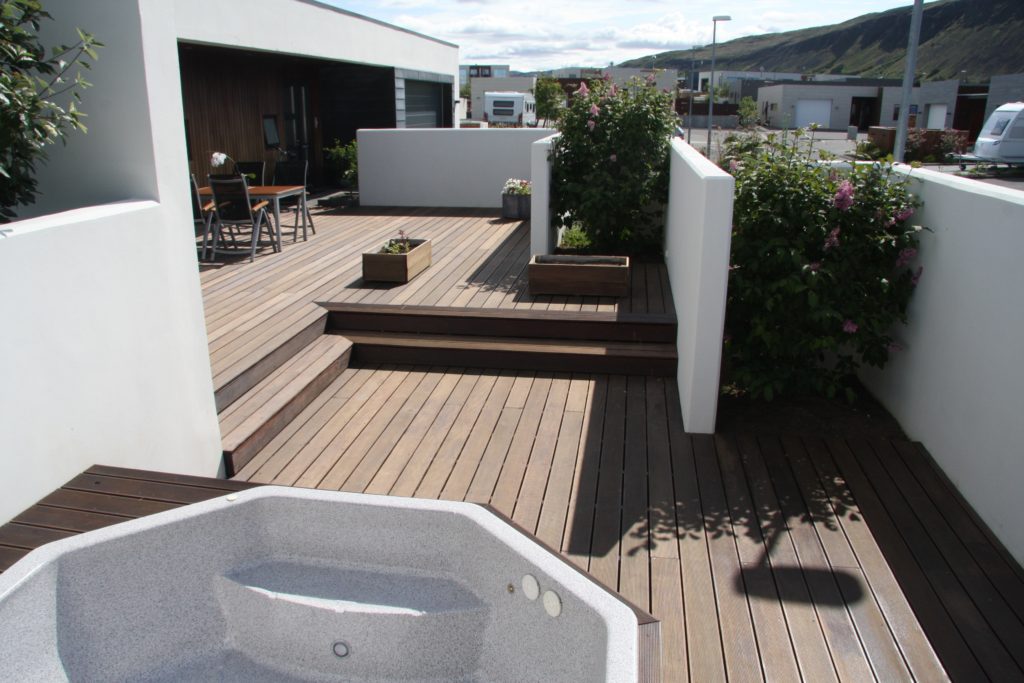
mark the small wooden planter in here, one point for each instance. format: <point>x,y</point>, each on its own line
<point>515,206</point>
<point>378,267</point>
<point>579,275</point>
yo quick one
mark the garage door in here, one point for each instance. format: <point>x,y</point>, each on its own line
<point>813,111</point>
<point>423,103</point>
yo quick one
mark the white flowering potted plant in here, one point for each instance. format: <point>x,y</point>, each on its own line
<point>399,260</point>
<point>515,199</point>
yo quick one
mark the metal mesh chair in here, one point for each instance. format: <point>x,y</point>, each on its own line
<point>294,173</point>
<point>202,213</point>
<point>255,171</point>
<point>233,211</point>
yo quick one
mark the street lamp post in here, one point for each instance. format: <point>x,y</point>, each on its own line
<point>689,120</point>
<point>711,83</point>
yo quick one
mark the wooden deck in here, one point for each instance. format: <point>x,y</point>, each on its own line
<point>479,262</point>
<point>764,557</point>
<point>776,558</point>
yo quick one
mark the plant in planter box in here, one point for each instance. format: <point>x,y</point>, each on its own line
<point>399,260</point>
<point>822,267</point>
<point>609,165</point>
<point>515,198</point>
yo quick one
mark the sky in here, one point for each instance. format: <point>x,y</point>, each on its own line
<point>532,35</point>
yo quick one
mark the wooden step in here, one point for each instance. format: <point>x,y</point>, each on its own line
<point>589,325</point>
<point>250,422</point>
<point>263,366</point>
<point>512,353</point>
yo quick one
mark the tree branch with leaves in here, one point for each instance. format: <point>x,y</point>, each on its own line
<point>38,96</point>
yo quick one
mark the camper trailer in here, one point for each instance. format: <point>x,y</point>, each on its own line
<point>1001,140</point>
<point>510,108</point>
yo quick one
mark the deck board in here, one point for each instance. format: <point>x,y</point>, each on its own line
<point>478,262</point>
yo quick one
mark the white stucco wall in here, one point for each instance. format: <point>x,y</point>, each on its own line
<point>439,167</point>
<point>957,385</point>
<point>698,235</point>
<point>103,353</point>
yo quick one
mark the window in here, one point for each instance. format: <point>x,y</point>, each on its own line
<point>896,113</point>
<point>1017,132</point>
<point>504,112</point>
<point>504,103</point>
<point>1000,126</point>
<point>271,140</point>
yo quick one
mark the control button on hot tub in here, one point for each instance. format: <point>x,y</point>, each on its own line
<point>552,603</point>
<point>531,589</point>
<point>341,648</point>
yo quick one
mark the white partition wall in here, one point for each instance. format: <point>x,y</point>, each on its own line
<point>698,235</point>
<point>958,384</point>
<point>542,237</point>
<point>439,167</point>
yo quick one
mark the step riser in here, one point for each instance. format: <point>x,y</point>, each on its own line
<point>652,328</point>
<point>260,370</point>
<point>237,458</point>
<point>514,360</point>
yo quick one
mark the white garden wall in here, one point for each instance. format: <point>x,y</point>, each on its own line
<point>958,387</point>
<point>698,234</point>
<point>104,355</point>
<point>440,167</point>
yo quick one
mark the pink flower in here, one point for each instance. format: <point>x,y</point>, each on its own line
<point>843,199</point>
<point>590,124</point>
<point>849,327</point>
<point>894,347</point>
<point>832,242</point>
<point>814,266</point>
<point>595,110</point>
<point>733,166</point>
<point>905,214</point>
<point>917,276</point>
<point>906,256</point>
<point>583,90</point>
<point>613,158</point>
<point>613,91</point>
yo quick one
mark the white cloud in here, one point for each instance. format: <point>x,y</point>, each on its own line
<point>540,34</point>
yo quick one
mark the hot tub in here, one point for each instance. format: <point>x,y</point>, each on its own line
<point>285,584</point>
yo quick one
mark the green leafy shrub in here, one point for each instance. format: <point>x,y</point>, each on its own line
<point>343,160</point>
<point>821,270</point>
<point>610,165</point>
<point>38,97</point>
<point>574,238</point>
<point>747,111</point>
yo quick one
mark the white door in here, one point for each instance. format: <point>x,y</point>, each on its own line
<point>813,111</point>
<point>936,116</point>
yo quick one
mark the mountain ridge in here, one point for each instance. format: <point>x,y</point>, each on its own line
<point>980,37</point>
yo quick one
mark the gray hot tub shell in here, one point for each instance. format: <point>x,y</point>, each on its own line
<point>290,584</point>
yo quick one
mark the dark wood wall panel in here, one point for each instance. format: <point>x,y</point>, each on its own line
<point>225,94</point>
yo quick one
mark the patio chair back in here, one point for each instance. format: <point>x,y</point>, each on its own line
<point>231,199</point>
<point>256,169</point>
<point>291,172</point>
<point>197,203</point>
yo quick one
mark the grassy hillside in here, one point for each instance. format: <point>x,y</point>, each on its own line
<point>981,37</point>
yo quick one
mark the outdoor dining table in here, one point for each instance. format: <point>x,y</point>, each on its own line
<point>274,193</point>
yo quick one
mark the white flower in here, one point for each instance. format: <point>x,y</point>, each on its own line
<point>218,159</point>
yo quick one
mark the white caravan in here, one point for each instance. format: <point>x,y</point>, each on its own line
<point>515,108</point>
<point>1002,137</point>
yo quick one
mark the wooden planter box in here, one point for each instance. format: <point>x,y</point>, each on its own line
<point>378,267</point>
<point>515,206</point>
<point>579,275</point>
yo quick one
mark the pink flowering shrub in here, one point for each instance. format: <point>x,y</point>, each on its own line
<point>823,266</point>
<point>609,165</point>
